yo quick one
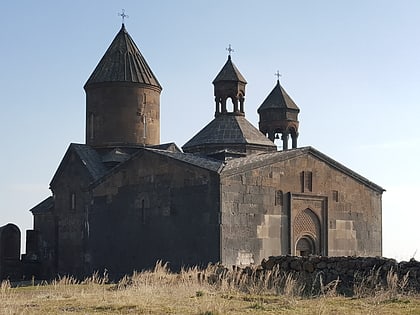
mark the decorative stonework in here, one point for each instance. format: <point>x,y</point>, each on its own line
<point>308,220</point>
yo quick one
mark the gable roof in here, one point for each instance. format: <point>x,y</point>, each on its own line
<point>95,160</point>
<point>278,98</point>
<point>44,206</point>
<point>227,129</point>
<point>97,170</point>
<point>250,162</point>
<point>229,72</point>
<point>88,156</point>
<point>187,158</point>
<point>91,159</point>
<point>123,62</point>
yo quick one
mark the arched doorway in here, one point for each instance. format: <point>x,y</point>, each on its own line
<point>306,233</point>
<point>305,246</point>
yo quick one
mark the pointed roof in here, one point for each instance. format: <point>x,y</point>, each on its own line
<point>229,72</point>
<point>123,62</point>
<point>278,98</point>
<point>225,130</point>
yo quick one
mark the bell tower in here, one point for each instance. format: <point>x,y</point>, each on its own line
<point>279,115</point>
<point>229,135</point>
<point>122,98</point>
<point>229,84</point>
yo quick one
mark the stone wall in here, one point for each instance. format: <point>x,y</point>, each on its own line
<point>154,208</point>
<point>351,273</point>
<point>268,208</point>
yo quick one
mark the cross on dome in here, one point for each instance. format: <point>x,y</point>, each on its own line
<point>230,49</point>
<point>123,15</point>
<point>278,75</point>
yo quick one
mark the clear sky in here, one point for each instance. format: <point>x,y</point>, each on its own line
<point>353,68</point>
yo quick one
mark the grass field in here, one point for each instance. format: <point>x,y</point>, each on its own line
<point>194,292</point>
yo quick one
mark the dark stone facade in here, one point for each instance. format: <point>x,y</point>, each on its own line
<point>123,200</point>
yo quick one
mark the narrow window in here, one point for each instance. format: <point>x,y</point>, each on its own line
<point>73,201</point>
<point>308,181</point>
<point>279,198</point>
<point>143,214</point>
<point>306,178</point>
<point>335,195</point>
<point>91,125</point>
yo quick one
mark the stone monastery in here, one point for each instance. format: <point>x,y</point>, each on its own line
<point>123,200</point>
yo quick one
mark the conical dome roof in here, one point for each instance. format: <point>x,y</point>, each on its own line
<point>123,62</point>
<point>229,72</point>
<point>278,98</point>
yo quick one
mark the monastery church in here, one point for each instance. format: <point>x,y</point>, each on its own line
<point>123,200</point>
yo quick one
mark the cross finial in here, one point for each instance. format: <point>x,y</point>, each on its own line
<point>123,15</point>
<point>278,75</point>
<point>230,49</point>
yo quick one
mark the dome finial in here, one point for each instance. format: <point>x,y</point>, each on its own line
<point>123,16</point>
<point>230,50</point>
<point>278,75</point>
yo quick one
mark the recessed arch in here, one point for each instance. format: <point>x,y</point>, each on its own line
<point>305,246</point>
<point>307,231</point>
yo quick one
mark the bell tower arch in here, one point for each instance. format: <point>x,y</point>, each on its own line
<point>229,84</point>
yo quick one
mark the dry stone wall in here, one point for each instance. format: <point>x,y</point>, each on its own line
<point>350,273</point>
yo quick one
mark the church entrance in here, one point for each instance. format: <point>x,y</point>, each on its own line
<point>305,246</point>
<point>306,234</point>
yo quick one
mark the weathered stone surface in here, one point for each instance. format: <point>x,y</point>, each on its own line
<point>308,266</point>
<point>350,271</point>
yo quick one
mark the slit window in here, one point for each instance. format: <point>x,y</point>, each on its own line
<point>306,181</point>
<point>335,195</point>
<point>73,201</point>
<point>91,125</point>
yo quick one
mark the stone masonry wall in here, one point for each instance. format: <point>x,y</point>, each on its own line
<point>350,272</point>
<point>260,206</point>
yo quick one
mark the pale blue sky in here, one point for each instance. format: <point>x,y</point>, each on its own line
<point>353,68</point>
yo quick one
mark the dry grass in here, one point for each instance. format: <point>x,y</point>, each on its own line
<point>212,291</point>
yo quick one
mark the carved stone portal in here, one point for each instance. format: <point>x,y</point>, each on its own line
<point>308,225</point>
